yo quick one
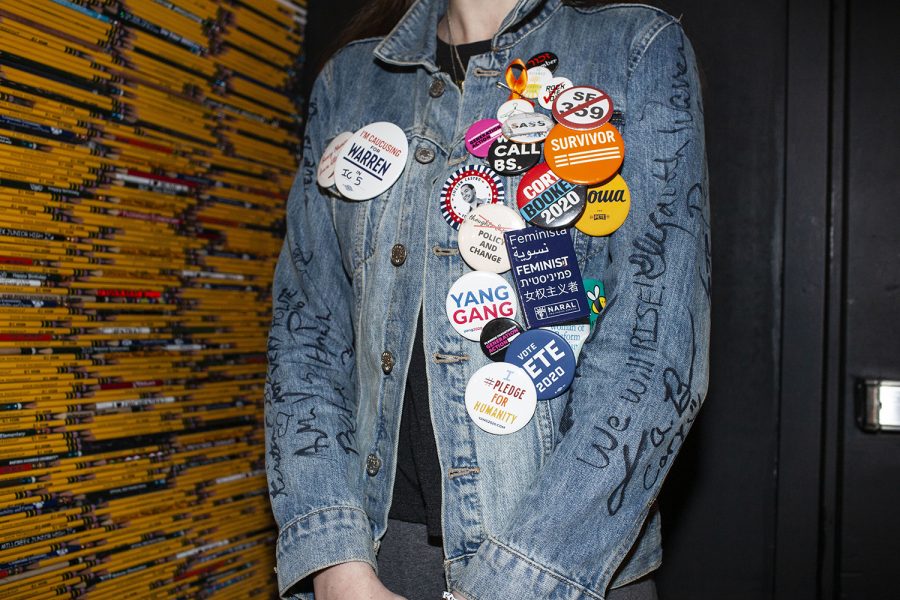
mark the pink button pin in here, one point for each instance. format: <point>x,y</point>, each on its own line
<point>481,134</point>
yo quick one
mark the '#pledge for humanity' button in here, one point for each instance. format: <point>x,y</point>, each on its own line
<point>501,398</point>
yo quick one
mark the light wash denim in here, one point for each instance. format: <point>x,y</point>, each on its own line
<point>565,507</point>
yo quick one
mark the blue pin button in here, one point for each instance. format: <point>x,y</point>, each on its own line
<point>547,358</point>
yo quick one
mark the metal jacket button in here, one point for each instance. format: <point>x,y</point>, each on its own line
<point>398,255</point>
<point>424,154</point>
<point>437,88</point>
<point>387,362</point>
<point>373,465</point>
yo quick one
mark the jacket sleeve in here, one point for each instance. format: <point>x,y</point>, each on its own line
<point>643,375</point>
<point>312,461</point>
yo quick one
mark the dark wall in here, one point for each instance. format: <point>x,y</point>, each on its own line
<point>719,503</point>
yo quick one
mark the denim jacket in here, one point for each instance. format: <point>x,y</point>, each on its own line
<point>565,507</point>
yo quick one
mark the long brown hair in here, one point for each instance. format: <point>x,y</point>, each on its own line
<point>377,18</point>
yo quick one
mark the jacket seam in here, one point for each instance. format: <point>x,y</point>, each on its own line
<point>562,579</point>
<point>523,36</point>
<point>308,515</point>
<point>647,39</point>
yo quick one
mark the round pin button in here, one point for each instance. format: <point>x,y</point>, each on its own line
<point>467,188</point>
<point>514,107</point>
<point>501,398</point>
<point>596,294</point>
<point>371,161</point>
<point>582,107</point>
<point>325,170</point>
<point>480,135</point>
<point>552,89</point>
<point>475,299</point>
<point>607,208</point>
<point>585,157</point>
<point>547,201</point>
<point>543,59</point>
<point>511,158</point>
<point>547,358</point>
<point>575,334</point>
<point>537,77</point>
<point>480,237</point>
<point>496,337</point>
<point>527,128</point>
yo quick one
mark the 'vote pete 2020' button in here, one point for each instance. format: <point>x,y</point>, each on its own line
<point>475,299</point>
<point>585,157</point>
<point>480,237</point>
<point>500,398</point>
<point>547,358</point>
<point>510,158</point>
<point>547,201</point>
<point>371,161</point>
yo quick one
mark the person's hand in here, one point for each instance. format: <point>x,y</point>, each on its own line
<point>351,581</point>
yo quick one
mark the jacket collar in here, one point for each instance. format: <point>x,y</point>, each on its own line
<point>412,41</point>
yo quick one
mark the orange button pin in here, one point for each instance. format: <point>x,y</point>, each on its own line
<point>585,157</point>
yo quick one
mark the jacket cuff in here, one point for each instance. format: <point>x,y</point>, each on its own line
<point>318,540</point>
<point>497,572</point>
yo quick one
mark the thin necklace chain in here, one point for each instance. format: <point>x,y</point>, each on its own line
<point>455,53</point>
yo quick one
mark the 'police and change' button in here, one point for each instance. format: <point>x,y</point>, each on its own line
<point>480,238</point>
<point>475,299</point>
<point>547,358</point>
<point>501,398</point>
<point>371,161</point>
<point>547,201</point>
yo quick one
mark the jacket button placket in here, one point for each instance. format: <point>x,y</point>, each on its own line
<point>373,465</point>
<point>387,362</point>
<point>437,88</point>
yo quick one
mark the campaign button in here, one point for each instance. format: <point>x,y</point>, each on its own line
<point>496,337</point>
<point>546,200</point>
<point>574,333</point>
<point>606,209</point>
<point>480,238</point>
<point>371,161</point>
<point>543,59</point>
<point>514,107</point>
<point>527,128</point>
<point>547,358</point>
<point>582,107</point>
<point>596,294</point>
<point>552,89</point>
<point>585,157</point>
<point>480,135</point>
<point>537,77</point>
<point>475,299</point>
<point>510,158</point>
<point>467,188</point>
<point>325,169</point>
<point>500,398</point>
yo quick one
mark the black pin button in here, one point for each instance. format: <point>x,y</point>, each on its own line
<point>387,362</point>
<point>511,158</point>
<point>496,337</point>
<point>547,60</point>
<point>373,465</point>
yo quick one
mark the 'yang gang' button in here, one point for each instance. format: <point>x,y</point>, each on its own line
<point>371,161</point>
<point>547,358</point>
<point>500,398</point>
<point>475,299</point>
<point>547,201</point>
<point>480,237</point>
<point>510,158</point>
<point>496,337</point>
